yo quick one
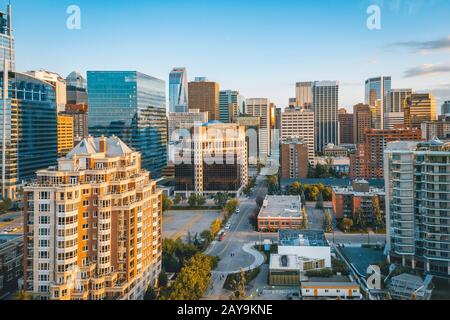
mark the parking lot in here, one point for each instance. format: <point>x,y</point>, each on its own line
<point>178,223</point>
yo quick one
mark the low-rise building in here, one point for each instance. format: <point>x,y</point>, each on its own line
<point>280,212</point>
<point>11,258</point>
<point>335,287</point>
<point>338,164</point>
<point>299,251</point>
<point>331,150</point>
<point>347,201</point>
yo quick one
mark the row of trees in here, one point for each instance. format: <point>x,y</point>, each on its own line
<point>323,171</point>
<point>310,192</point>
<point>361,220</point>
<point>249,187</point>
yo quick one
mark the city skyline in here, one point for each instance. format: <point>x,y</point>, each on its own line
<point>335,32</point>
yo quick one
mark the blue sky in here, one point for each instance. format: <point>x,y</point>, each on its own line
<point>258,47</point>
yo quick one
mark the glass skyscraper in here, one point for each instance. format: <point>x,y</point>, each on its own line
<point>29,138</point>
<point>132,106</point>
<point>230,105</point>
<point>376,90</point>
<point>7,53</point>
<point>178,90</point>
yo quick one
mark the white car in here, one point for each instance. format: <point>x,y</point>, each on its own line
<point>238,210</point>
<point>228,226</point>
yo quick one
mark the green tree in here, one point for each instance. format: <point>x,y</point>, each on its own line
<point>150,294</point>
<point>314,193</point>
<point>220,199</point>
<point>162,278</point>
<point>231,206</point>
<point>360,219</point>
<point>328,222</point>
<point>207,236</point>
<point>177,199</point>
<point>166,203</point>
<point>272,184</point>
<point>296,188</point>
<point>22,295</point>
<point>377,213</point>
<point>346,224</point>
<point>239,292</point>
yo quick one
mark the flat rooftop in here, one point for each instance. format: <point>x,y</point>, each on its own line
<point>8,237</point>
<point>335,281</point>
<point>281,206</point>
<point>309,238</point>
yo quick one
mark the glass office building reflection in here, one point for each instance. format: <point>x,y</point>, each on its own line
<point>132,106</point>
<point>29,138</point>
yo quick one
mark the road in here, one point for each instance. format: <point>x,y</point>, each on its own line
<point>16,223</point>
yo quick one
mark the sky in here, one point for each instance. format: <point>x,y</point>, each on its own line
<point>260,48</point>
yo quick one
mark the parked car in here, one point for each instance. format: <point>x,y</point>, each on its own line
<point>238,210</point>
<point>294,296</point>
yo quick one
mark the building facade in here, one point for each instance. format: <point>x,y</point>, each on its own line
<point>325,104</point>
<point>370,154</point>
<point>181,123</point>
<point>11,263</point>
<point>76,89</point>
<point>178,90</point>
<point>7,45</point>
<point>375,96</point>
<point>345,126</point>
<point>231,105</point>
<point>79,113</point>
<point>445,108</point>
<point>132,106</point>
<point>260,107</point>
<point>29,140</point>
<point>298,123</point>
<point>58,82</point>
<point>280,212</point>
<point>252,126</point>
<point>435,129</point>
<point>204,96</point>
<point>397,99</point>
<point>420,107</point>
<point>294,159</point>
<point>92,225</point>
<point>362,121</point>
<point>213,159</point>
<point>417,178</point>
<point>65,134</point>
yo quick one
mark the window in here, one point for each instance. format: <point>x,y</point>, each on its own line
<point>44,195</point>
<point>43,243</point>
<point>43,255</point>
<point>85,214</point>
<point>44,231</point>
<point>44,207</point>
<point>85,203</point>
<point>44,220</point>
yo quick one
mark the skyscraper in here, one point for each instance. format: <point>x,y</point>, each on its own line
<point>132,106</point>
<point>65,134</point>
<point>76,89</point>
<point>7,47</point>
<point>362,120</point>
<point>420,107</point>
<point>396,100</point>
<point>204,96</point>
<point>260,107</point>
<point>325,101</point>
<point>297,123</point>
<point>178,90</point>
<point>375,97</point>
<point>345,127</point>
<point>94,226</point>
<point>417,177</point>
<point>445,109</point>
<point>303,95</point>
<point>230,105</point>
<point>58,82</point>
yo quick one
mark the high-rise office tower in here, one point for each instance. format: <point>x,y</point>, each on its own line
<point>28,129</point>
<point>375,96</point>
<point>93,225</point>
<point>76,89</point>
<point>178,90</point>
<point>58,82</point>
<point>181,123</point>
<point>297,123</point>
<point>213,159</point>
<point>260,107</point>
<point>396,100</point>
<point>303,95</point>
<point>132,106</point>
<point>79,113</point>
<point>252,126</point>
<point>345,120</point>
<point>420,107</point>
<point>325,101</point>
<point>445,109</point>
<point>7,46</point>
<point>65,134</point>
<point>362,120</point>
<point>417,177</point>
<point>231,105</point>
<point>204,96</point>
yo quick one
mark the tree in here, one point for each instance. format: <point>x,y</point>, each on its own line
<point>215,227</point>
<point>314,193</point>
<point>166,203</point>
<point>378,216</point>
<point>192,200</point>
<point>305,223</point>
<point>231,206</point>
<point>359,218</point>
<point>150,294</point>
<point>162,278</point>
<point>328,222</point>
<point>296,188</point>
<point>272,183</point>
<point>207,236</point>
<point>220,199</point>
<point>239,293</point>
<point>22,295</point>
<point>177,199</point>
<point>346,224</point>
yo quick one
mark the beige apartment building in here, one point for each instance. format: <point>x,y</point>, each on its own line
<point>298,123</point>
<point>261,107</point>
<point>92,225</point>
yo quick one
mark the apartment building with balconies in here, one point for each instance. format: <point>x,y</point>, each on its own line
<point>92,225</point>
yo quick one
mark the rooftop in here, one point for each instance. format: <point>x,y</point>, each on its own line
<point>309,238</point>
<point>281,206</point>
<point>89,146</point>
<point>8,237</point>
